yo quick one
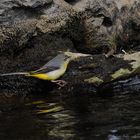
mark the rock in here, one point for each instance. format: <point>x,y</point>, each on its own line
<point>14,11</point>
<point>130,19</point>
<point>34,31</point>
<point>28,43</point>
<point>119,67</point>
<point>91,74</point>
<point>99,21</point>
<point>110,25</point>
<point>53,19</point>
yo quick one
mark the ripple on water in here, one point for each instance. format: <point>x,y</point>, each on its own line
<point>71,117</point>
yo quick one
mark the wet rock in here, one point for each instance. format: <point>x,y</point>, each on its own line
<point>34,31</point>
<point>119,67</point>
<point>91,74</point>
<point>84,74</point>
<point>47,28</point>
<point>129,85</point>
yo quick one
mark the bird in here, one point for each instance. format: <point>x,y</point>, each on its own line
<point>53,69</point>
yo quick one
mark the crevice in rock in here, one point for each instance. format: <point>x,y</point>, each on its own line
<point>72,1</point>
<point>107,22</point>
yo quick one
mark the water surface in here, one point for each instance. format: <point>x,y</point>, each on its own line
<point>70,117</point>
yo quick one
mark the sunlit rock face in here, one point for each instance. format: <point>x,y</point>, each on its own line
<point>13,11</point>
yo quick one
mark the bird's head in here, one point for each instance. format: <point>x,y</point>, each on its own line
<point>71,56</point>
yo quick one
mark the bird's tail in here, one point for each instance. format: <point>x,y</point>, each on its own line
<point>15,73</point>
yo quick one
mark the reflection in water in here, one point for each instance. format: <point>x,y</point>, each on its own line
<point>113,137</point>
<point>70,117</point>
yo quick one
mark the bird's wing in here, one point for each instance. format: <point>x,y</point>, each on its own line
<point>44,70</point>
<point>53,64</point>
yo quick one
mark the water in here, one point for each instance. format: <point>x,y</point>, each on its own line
<point>70,117</point>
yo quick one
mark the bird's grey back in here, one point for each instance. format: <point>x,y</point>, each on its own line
<point>55,62</point>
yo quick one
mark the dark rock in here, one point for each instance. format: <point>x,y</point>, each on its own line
<point>99,24</point>
<point>130,19</point>
<point>34,31</point>
<point>13,11</point>
<point>110,25</point>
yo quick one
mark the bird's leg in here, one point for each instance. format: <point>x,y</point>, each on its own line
<point>110,52</point>
<point>60,83</point>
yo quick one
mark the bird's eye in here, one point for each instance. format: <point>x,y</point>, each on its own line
<point>66,57</point>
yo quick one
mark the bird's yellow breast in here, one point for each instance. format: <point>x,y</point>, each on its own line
<point>40,76</point>
<point>53,75</point>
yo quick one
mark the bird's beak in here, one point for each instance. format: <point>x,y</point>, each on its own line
<point>80,55</point>
<point>76,55</point>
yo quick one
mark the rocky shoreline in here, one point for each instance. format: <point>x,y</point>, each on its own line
<point>33,32</point>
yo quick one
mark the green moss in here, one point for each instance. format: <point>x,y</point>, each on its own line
<point>120,73</point>
<point>94,80</point>
<point>88,66</point>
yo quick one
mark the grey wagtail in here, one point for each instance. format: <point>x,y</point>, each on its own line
<point>52,70</point>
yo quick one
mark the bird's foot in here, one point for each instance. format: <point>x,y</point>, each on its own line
<point>60,83</point>
<point>111,52</point>
<point>124,51</point>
